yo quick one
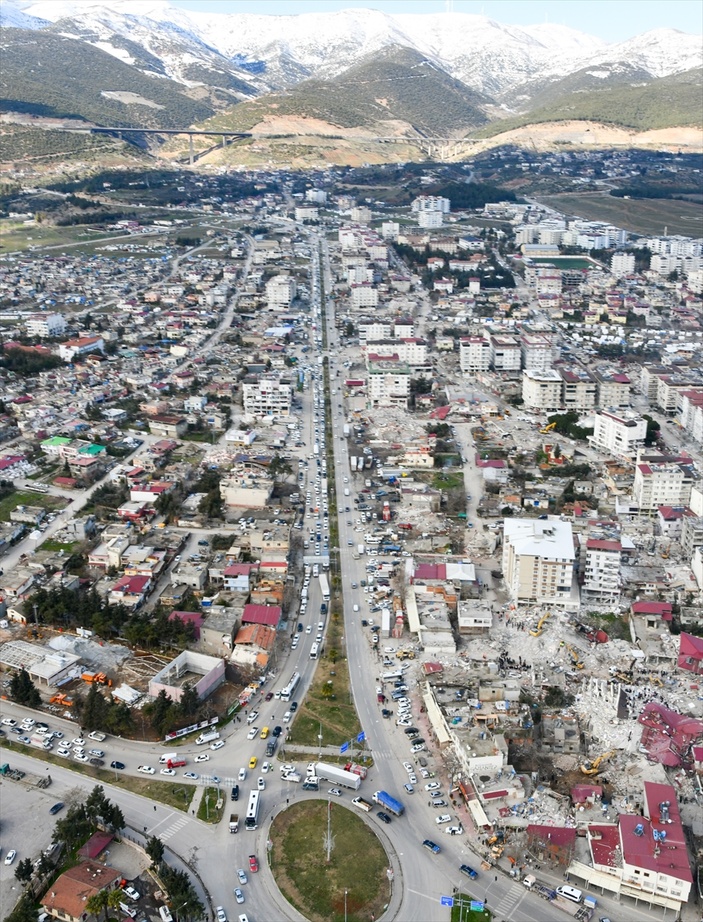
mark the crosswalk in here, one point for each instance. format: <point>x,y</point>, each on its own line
<point>508,902</point>
<point>178,823</point>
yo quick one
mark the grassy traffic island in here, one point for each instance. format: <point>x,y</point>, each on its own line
<point>315,887</point>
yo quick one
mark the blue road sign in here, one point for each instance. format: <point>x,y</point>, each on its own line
<point>477,905</point>
<point>361,737</point>
<point>446,901</point>
<point>344,747</point>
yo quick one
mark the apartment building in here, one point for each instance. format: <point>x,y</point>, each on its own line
<point>538,561</point>
<point>541,389</point>
<point>622,264</point>
<point>662,480</point>
<point>374,330</point>
<point>280,291</point>
<point>619,434</point>
<point>579,389</point>
<point>364,295</point>
<point>431,203</point>
<point>691,533</point>
<point>474,354</point>
<point>691,414</point>
<point>505,353</point>
<point>360,214</point>
<point>613,388</point>
<point>601,572</point>
<point>267,397</point>
<point>388,382</point>
<point>45,325</point>
<point>410,351</point>
<point>535,351</point>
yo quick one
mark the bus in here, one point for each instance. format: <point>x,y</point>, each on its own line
<point>313,650</point>
<point>252,818</point>
<point>324,587</point>
<point>36,487</point>
<point>290,688</point>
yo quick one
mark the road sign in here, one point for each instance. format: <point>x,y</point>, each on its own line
<point>361,737</point>
<point>477,905</point>
<point>446,901</point>
<point>344,747</point>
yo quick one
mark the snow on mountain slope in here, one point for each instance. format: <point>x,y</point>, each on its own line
<point>489,56</point>
<point>12,17</point>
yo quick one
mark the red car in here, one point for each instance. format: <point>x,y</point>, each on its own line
<point>253,864</point>
<point>269,696</point>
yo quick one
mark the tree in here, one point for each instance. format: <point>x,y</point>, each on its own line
<point>155,850</point>
<point>95,708</point>
<point>23,690</point>
<point>24,871</point>
<point>103,901</point>
<point>190,701</point>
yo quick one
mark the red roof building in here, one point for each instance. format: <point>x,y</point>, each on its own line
<point>261,614</point>
<point>691,653</point>
<point>189,617</point>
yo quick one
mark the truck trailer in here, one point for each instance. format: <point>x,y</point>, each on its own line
<point>335,774</point>
<point>362,804</point>
<point>384,799</point>
<point>234,822</point>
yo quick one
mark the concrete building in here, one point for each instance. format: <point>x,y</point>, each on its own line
<point>538,561</point>
<point>280,291</point>
<point>620,434</point>
<point>388,383</point>
<point>474,354</point>
<point>541,389</point>
<point>267,397</point>
<point>364,295</point>
<point>691,533</point>
<point>662,480</point>
<point>506,355</point>
<point>46,325</point>
<point>622,264</point>
<point>536,351</point>
<point>579,389</point>
<point>601,576</point>
<point>613,388</point>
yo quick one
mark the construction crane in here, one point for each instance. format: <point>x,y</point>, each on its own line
<point>536,631</point>
<point>548,428</point>
<point>591,768</point>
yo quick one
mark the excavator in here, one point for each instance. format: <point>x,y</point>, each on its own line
<point>536,631</point>
<point>574,656</point>
<point>548,428</point>
<point>591,768</point>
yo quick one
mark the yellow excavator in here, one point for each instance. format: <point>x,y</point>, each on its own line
<point>575,657</point>
<point>536,631</point>
<point>548,428</point>
<point>591,768</point>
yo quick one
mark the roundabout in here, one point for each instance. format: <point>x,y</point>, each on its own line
<point>329,863</point>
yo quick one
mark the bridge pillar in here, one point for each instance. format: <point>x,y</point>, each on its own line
<point>192,156</point>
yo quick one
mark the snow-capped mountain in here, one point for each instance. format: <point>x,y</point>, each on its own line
<point>274,52</point>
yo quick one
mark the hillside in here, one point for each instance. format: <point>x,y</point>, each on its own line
<point>54,76</point>
<point>669,102</point>
<point>395,85</point>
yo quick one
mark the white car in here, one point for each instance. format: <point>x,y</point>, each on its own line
<point>28,722</point>
<point>260,784</point>
<point>78,742</point>
<point>335,792</point>
<point>287,768</point>
<point>242,776</point>
<point>241,874</point>
<point>252,717</point>
<point>407,766</point>
<point>10,856</point>
<point>412,778</point>
<point>253,733</point>
<point>168,771</point>
<point>62,751</point>
<point>218,745</point>
<point>266,767</point>
<point>9,722</point>
<point>433,786</point>
<point>146,770</point>
<point>82,757</point>
<point>132,893</point>
<point>454,830</point>
<point>443,818</point>
<point>221,914</point>
<point>286,717</point>
<point>203,757</point>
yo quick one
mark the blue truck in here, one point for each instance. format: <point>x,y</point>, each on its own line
<point>390,803</point>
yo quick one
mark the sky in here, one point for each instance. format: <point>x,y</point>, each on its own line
<point>610,20</point>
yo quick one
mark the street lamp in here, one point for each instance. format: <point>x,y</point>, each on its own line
<point>345,905</point>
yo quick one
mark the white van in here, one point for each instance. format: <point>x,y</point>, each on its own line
<point>165,914</point>
<point>570,893</point>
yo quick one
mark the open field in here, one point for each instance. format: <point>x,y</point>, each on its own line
<point>44,500</point>
<point>316,887</point>
<point>641,216</point>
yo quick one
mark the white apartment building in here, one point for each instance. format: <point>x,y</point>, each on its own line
<point>305,213</point>
<point>390,230</point>
<point>538,561</point>
<point>374,331</point>
<point>404,329</point>
<point>536,351</point>
<point>474,354</point>
<point>613,388</point>
<point>359,275</point>
<point>431,203</point>
<point>360,214</point>
<point>430,219</point>
<point>622,264</point>
<point>691,414</point>
<point>505,352</point>
<point>280,291</point>
<point>267,397</point>
<point>364,295</point>
<point>619,434</point>
<point>45,325</point>
<point>388,383</point>
<point>601,575</point>
<point>541,389</point>
<point>316,196</point>
<point>579,389</point>
<point>663,481</point>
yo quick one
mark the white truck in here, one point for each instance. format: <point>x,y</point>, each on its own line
<point>207,736</point>
<point>335,774</point>
<point>360,549</point>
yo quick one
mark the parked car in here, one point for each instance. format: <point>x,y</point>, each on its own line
<point>146,769</point>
